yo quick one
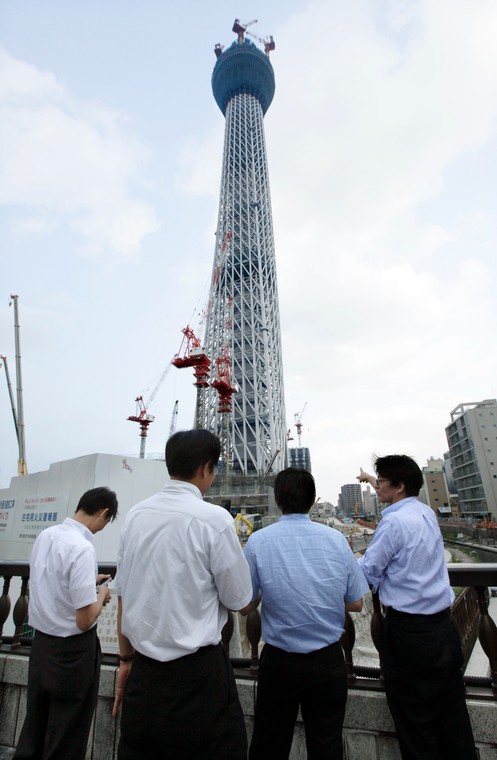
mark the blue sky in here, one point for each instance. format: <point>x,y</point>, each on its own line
<point>382,142</point>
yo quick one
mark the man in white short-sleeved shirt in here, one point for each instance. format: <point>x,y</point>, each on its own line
<point>180,568</point>
<point>64,605</point>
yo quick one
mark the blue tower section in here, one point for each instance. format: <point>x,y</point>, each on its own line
<point>243,68</point>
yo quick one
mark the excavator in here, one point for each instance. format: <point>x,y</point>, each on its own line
<point>245,525</point>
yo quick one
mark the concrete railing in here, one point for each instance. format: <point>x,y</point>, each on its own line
<point>368,733</point>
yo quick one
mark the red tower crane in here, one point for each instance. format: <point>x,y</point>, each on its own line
<point>225,387</point>
<point>191,354</point>
<point>144,419</point>
<point>142,416</point>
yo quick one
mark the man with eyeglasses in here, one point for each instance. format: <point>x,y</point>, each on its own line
<point>422,655</point>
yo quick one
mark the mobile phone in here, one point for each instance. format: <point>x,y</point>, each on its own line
<point>105,582</point>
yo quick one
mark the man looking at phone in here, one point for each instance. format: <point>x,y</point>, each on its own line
<point>179,568</point>
<point>66,597</point>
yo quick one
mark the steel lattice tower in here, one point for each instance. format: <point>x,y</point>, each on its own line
<point>243,321</point>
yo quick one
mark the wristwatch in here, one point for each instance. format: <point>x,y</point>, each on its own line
<point>125,657</point>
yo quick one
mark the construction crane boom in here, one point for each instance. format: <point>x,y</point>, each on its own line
<point>11,395</point>
<point>174,419</point>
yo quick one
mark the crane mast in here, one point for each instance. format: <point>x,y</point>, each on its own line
<point>22,468</point>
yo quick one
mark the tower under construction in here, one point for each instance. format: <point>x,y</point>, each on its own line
<point>245,403</point>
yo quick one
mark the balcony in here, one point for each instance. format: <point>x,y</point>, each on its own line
<point>368,729</point>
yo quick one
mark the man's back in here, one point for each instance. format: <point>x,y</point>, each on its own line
<point>62,577</point>
<point>179,567</point>
<point>304,571</point>
<point>176,562</point>
<point>406,559</point>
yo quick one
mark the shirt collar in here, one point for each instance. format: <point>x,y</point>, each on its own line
<point>295,516</point>
<point>182,485</point>
<point>398,505</point>
<point>82,528</point>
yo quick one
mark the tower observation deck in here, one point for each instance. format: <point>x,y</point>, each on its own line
<point>243,322</point>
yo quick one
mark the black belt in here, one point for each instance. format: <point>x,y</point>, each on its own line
<point>417,615</point>
<point>314,652</point>
<point>90,632</point>
<point>198,651</point>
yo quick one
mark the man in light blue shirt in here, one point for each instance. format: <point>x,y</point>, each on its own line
<point>307,576</point>
<point>422,655</point>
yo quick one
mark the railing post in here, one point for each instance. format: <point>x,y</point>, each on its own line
<point>377,624</point>
<point>4,604</point>
<point>254,633</point>
<point>347,641</point>
<point>487,634</point>
<point>20,614</point>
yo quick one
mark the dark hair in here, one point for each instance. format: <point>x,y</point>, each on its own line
<point>188,450</point>
<point>399,468</point>
<point>96,499</point>
<point>294,490</point>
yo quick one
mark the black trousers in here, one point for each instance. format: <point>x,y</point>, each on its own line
<point>186,709</point>
<point>317,682</point>
<point>63,680</point>
<point>424,687</point>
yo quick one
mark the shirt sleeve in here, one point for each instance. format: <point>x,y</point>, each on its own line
<point>82,581</point>
<point>254,574</point>
<point>379,553</point>
<point>230,570</point>
<point>357,585</point>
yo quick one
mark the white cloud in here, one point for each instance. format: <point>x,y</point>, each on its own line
<point>69,159</point>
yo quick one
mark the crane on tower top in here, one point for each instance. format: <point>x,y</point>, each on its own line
<point>241,29</point>
<point>298,422</point>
